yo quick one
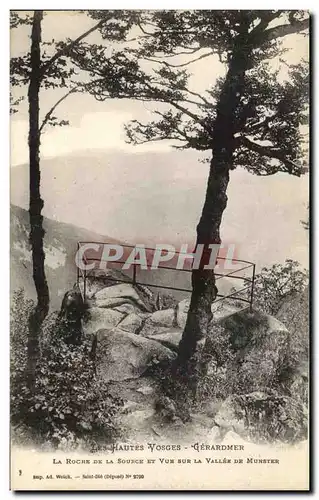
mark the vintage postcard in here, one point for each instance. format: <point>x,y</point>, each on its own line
<point>159,250</point>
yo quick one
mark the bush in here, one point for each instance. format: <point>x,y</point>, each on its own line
<point>69,406</point>
<point>274,285</point>
<point>270,417</point>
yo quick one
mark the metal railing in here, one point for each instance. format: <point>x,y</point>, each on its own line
<point>245,294</point>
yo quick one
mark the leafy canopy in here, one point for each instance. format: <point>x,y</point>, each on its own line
<point>266,120</point>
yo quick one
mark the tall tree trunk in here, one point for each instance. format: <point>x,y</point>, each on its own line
<point>190,361</point>
<point>36,204</point>
<point>204,291</point>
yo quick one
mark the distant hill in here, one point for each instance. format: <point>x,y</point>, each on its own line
<point>157,198</point>
<point>60,244</point>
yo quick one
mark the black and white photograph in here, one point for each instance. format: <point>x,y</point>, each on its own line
<point>159,250</point>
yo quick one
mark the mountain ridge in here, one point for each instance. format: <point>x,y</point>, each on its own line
<point>157,198</point>
<point>60,245</point>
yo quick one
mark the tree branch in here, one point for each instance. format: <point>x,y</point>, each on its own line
<point>272,171</point>
<point>292,167</point>
<point>69,46</point>
<point>188,52</point>
<point>195,94</point>
<point>144,31</point>
<point>182,64</point>
<point>258,126</point>
<point>49,113</point>
<point>186,111</point>
<point>286,29</point>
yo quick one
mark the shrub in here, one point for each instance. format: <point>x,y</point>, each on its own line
<point>69,406</point>
<point>275,284</point>
<point>271,417</point>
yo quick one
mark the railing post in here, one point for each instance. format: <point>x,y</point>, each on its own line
<point>134,274</point>
<point>252,288</point>
<point>84,285</point>
<point>77,267</point>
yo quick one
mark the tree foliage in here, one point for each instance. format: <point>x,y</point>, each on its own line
<point>269,111</point>
<point>58,70</point>
<point>68,407</point>
<point>274,285</point>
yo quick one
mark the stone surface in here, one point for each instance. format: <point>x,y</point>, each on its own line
<point>170,338</point>
<point>182,310</point>
<point>131,323</point>
<point>112,302</point>
<point>143,390</point>
<point>158,322</point>
<point>127,308</point>
<point>146,389</point>
<point>101,319</point>
<point>214,434</point>
<point>232,437</point>
<point>165,317</point>
<point>122,355</point>
<point>138,419</point>
<point>121,291</point>
<point>221,309</point>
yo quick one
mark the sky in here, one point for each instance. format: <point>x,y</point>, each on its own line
<point>114,202</point>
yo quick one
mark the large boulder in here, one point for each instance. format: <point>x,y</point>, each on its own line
<point>103,278</point>
<point>101,318</point>
<point>117,295</point>
<point>170,338</point>
<point>221,309</point>
<point>158,322</point>
<point>165,317</point>
<point>121,355</point>
<point>182,310</point>
<point>131,323</point>
<point>127,308</point>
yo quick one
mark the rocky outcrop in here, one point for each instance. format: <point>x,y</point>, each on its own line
<point>247,352</point>
<point>165,317</point>
<point>101,318</point>
<point>158,322</point>
<point>121,355</point>
<point>221,309</point>
<point>169,338</point>
<point>252,345</point>
<point>132,323</point>
<point>119,294</point>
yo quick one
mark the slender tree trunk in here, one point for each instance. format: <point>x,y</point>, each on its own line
<point>36,204</point>
<point>204,290</point>
<point>191,362</point>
